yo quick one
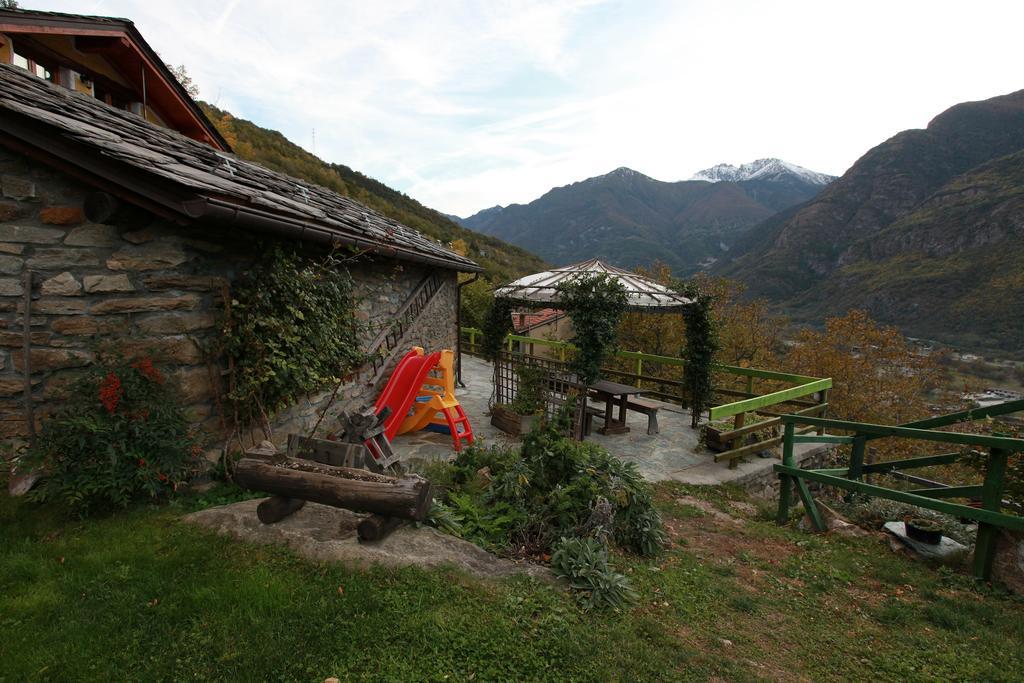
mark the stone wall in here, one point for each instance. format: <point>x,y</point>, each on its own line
<point>147,286</point>
<point>765,483</point>
<point>382,291</point>
<point>1008,564</point>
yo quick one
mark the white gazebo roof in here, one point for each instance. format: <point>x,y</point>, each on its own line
<point>542,288</point>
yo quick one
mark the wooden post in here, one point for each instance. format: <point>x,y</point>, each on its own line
<point>991,499</point>
<point>639,366</point>
<point>737,422</point>
<point>785,481</point>
<point>856,461</point>
<point>817,521</point>
<point>824,399</point>
<point>750,384</point>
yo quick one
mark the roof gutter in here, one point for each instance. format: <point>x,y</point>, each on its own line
<point>213,209</point>
<point>458,327</point>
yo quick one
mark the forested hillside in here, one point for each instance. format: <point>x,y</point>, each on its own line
<point>501,261</point>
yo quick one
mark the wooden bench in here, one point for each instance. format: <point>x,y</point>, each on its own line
<point>588,418</point>
<point>648,408</point>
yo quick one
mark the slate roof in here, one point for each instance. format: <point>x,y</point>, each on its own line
<point>33,14</point>
<point>202,176</point>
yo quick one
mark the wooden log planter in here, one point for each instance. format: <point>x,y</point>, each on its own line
<point>292,481</point>
<point>511,422</point>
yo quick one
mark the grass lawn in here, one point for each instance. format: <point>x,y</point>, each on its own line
<point>141,596</point>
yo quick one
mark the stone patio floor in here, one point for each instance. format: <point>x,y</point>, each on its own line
<point>674,454</point>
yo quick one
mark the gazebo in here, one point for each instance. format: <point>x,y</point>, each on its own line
<point>541,289</point>
<point>544,290</point>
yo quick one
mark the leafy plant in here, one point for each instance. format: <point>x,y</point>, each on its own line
<point>120,436</point>
<point>551,488</point>
<point>488,524</point>
<point>584,563</point>
<point>476,301</point>
<point>595,303</point>
<point>291,330</point>
<point>531,390</point>
<point>496,327</point>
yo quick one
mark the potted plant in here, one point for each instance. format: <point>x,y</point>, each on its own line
<point>528,405</point>
<point>924,530</point>
<point>711,434</point>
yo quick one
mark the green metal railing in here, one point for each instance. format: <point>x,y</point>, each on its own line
<point>989,494</point>
<point>809,395</point>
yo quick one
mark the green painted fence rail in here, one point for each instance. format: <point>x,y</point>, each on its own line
<point>934,497</point>
<point>805,392</point>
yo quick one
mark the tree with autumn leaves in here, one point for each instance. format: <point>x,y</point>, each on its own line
<point>877,375</point>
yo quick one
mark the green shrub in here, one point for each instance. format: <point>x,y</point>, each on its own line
<point>556,483</point>
<point>443,517</point>
<point>120,437</point>
<point>487,524</point>
<point>584,563</point>
<point>553,488</point>
<point>531,389</point>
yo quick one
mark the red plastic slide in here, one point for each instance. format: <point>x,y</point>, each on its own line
<point>403,387</point>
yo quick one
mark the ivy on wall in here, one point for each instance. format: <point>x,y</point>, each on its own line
<point>595,303</point>
<point>290,330</point>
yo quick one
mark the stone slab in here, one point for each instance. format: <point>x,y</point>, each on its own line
<point>675,454</point>
<point>321,532</point>
<point>946,550</point>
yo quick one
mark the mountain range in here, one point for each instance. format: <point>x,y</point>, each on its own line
<point>925,231</point>
<point>631,219</point>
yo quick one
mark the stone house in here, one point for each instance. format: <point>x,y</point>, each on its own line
<point>549,324</point>
<point>117,228</point>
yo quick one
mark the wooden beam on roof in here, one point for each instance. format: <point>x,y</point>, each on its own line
<point>8,25</point>
<point>102,44</point>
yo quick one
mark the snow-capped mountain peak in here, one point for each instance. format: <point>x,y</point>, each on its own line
<point>762,169</point>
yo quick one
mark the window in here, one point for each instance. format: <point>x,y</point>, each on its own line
<point>32,66</point>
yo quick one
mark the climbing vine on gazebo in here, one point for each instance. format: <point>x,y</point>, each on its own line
<point>699,354</point>
<point>497,324</point>
<point>595,303</point>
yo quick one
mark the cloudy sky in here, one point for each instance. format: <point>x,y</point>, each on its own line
<point>464,105</point>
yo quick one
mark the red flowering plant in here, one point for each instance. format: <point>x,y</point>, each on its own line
<point>121,436</point>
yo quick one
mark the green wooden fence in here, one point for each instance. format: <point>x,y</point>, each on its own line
<point>808,395</point>
<point>988,494</point>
